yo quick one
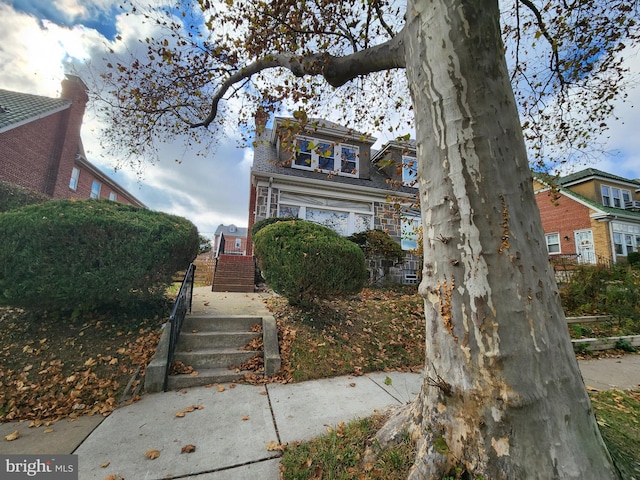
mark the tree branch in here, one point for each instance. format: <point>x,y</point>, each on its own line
<point>336,70</point>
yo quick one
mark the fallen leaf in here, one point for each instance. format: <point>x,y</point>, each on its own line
<point>245,418</point>
<point>152,454</point>
<point>105,464</point>
<point>188,449</point>
<point>193,374</point>
<point>206,304</point>
<point>48,430</point>
<point>352,384</point>
<point>90,363</point>
<point>274,446</point>
<point>180,414</point>
<point>221,388</point>
<point>263,393</point>
<point>12,436</point>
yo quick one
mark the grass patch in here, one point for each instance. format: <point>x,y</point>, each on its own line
<point>378,330</point>
<point>338,455</point>
<point>614,328</point>
<point>618,414</point>
<point>55,366</point>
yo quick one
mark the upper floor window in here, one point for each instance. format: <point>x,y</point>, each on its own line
<point>95,189</point>
<point>113,196</point>
<point>614,197</point>
<point>313,154</point>
<point>75,176</point>
<point>409,171</point>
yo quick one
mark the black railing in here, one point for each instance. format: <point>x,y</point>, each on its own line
<point>180,309</point>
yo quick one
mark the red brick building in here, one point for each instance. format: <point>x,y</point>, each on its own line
<point>41,148</point>
<point>591,217</point>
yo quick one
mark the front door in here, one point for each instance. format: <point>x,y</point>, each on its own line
<point>584,246</point>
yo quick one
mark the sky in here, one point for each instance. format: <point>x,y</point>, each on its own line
<point>40,40</point>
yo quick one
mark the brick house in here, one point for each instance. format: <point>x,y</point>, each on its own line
<point>235,239</point>
<point>41,148</point>
<point>591,217</point>
<point>330,174</point>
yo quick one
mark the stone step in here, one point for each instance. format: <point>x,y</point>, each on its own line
<point>205,377</point>
<point>230,323</point>
<point>214,357</point>
<point>195,341</point>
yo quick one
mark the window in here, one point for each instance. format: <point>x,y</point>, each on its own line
<point>113,196</point>
<point>313,154</point>
<point>410,229</point>
<point>617,243</point>
<point>409,171</point>
<point>238,243</point>
<point>615,197</point>
<point>344,216</point>
<point>606,195</point>
<point>95,189</point>
<point>553,242</point>
<point>75,176</point>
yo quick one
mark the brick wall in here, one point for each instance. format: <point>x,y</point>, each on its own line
<point>563,216</point>
<point>26,152</point>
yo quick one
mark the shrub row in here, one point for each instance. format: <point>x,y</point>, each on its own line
<point>82,255</point>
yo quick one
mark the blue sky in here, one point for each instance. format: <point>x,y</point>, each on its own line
<point>40,39</point>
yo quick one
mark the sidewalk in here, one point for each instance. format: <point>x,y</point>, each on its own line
<point>232,425</point>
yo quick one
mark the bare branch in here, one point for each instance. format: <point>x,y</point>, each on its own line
<point>336,70</point>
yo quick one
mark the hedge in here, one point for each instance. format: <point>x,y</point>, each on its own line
<point>86,254</point>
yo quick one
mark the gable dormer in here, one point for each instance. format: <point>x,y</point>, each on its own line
<point>604,188</point>
<point>322,146</point>
<point>398,162</point>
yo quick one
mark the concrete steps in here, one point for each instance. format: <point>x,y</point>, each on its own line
<point>211,345</point>
<point>234,273</point>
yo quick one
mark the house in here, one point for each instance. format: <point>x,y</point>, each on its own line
<point>590,216</point>
<point>326,173</point>
<point>230,239</point>
<point>41,148</point>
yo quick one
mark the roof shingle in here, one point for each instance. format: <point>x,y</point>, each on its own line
<point>16,107</point>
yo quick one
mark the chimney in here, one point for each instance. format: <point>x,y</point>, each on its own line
<point>74,89</point>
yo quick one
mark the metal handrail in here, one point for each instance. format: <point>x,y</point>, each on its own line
<point>181,306</point>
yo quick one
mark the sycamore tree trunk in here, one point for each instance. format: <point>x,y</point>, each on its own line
<point>503,397</point>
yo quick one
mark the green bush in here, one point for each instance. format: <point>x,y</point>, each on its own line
<point>259,225</point>
<point>14,196</point>
<point>378,242</point>
<point>302,261</point>
<point>82,255</point>
<point>633,258</point>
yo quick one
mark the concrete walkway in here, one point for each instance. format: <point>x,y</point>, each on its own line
<point>232,426</point>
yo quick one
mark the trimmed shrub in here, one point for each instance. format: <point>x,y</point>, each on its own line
<point>259,225</point>
<point>81,255</point>
<point>633,258</point>
<point>303,261</point>
<point>15,196</point>
<point>378,242</point>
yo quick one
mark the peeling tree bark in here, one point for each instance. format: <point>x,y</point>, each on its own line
<point>503,397</point>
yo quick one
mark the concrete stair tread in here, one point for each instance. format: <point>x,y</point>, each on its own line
<point>214,350</point>
<point>206,376</point>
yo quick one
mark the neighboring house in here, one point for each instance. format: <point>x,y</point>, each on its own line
<point>41,148</point>
<point>235,240</point>
<point>328,174</point>
<point>591,217</point>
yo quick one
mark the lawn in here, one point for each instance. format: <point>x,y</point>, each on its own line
<point>55,366</point>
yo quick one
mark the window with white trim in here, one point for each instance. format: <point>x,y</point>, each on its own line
<point>626,238</point>
<point>342,215</point>
<point>95,189</point>
<point>410,230</point>
<point>323,155</point>
<point>614,197</point>
<point>113,196</point>
<point>409,171</point>
<point>75,176</point>
<point>553,242</point>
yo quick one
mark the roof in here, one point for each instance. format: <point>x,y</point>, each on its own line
<point>231,231</point>
<point>588,173</point>
<point>19,108</point>
<point>265,164</point>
